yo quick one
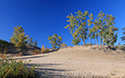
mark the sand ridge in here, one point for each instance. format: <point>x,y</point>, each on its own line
<point>80,61</point>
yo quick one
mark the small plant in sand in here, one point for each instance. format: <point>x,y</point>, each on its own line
<point>10,68</point>
<point>16,54</point>
<point>44,50</point>
<point>5,50</point>
<point>36,51</point>
<point>88,44</point>
<point>63,45</point>
<point>20,53</point>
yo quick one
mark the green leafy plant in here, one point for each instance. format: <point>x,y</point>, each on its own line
<point>10,68</point>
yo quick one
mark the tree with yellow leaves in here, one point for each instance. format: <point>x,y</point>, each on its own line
<point>55,40</point>
<point>78,26</point>
<point>19,39</point>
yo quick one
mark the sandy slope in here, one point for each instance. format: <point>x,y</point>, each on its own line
<point>80,61</point>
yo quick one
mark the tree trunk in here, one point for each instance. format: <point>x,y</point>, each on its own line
<point>101,40</point>
<point>94,41</point>
<point>83,42</point>
<point>97,40</point>
<point>90,40</point>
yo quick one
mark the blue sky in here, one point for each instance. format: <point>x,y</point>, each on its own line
<point>41,18</point>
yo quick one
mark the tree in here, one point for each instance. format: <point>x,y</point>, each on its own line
<point>95,31</point>
<point>110,30</point>
<point>55,40</point>
<point>75,41</point>
<point>78,25</point>
<point>103,27</point>
<point>101,23</point>
<point>111,36</point>
<point>35,43</point>
<point>19,39</point>
<point>30,41</point>
<point>90,21</point>
<point>123,38</point>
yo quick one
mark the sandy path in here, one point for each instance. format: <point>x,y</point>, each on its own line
<point>79,61</point>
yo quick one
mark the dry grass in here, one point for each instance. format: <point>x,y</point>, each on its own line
<point>44,50</point>
<point>36,51</point>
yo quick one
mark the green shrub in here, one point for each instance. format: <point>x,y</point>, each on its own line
<point>119,46</point>
<point>10,68</point>
<point>88,44</point>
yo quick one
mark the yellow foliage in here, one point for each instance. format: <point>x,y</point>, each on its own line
<point>63,45</point>
<point>44,50</point>
<point>16,54</point>
<point>36,51</point>
<point>20,53</point>
<point>5,50</point>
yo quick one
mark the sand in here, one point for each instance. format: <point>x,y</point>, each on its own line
<point>80,62</point>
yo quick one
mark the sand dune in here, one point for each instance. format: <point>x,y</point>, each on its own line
<point>80,61</point>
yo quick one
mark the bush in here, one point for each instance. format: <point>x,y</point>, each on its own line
<point>119,46</point>
<point>44,50</point>
<point>88,44</point>
<point>5,50</point>
<point>10,68</point>
<point>36,51</point>
<point>63,45</point>
<point>20,53</point>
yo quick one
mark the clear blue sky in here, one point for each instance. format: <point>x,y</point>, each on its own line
<point>41,18</point>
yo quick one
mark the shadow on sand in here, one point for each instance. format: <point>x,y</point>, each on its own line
<point>44,70</point>
<point>32,56</point>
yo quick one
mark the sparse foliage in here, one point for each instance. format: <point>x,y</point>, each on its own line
<point>44,50</point>
<point>30,41</point>
<point>76,41</point>
<point>123,38</point>
<point>63,45</point>
<point>55,40</point>
<point>35,43</point>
